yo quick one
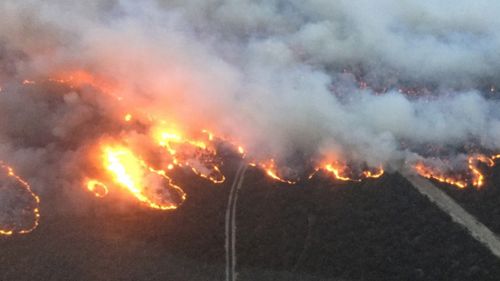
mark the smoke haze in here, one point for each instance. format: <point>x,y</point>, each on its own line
<point>385,83</point>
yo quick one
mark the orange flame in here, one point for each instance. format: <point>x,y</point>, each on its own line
<point>477,176</point>
<point>199,154</point>
<point>476,179</point>
<point>271,170</point>
<point>127,117</point>
<point>98,188</point>
<point>79,78</point>
<point>35,211</point>
<point>142,181</point>
<point>429,173</point>
<point>338,172</point>
<point>374,174</point>
<point>196,154</point>
<point>341,172</point>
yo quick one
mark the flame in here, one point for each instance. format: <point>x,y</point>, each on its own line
<point>342,172</point>
<point>127,117</point>
<point>338,172</point>
<point>35,211</point>
<point>370,174</point>
<point>271,170</point>
<point>133,174</point>
<point>98,188</point>
<point>236,146</point>
<point>199,155</point>
<point>197,151</point>
<point>428,172</point>
<point>80,77</point>
<point>241,150</point>
<point>475,177</point>
<point>210,135</point>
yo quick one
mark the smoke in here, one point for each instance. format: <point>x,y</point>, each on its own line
<point>382,83</point>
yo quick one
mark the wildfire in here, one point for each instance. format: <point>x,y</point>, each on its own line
<point>33,211</point>
<point>237,147</point>
<point>271,170</point>
<point>338,172</point>
<point>199,155</point>
<point>79,78</point>
<point>477,176</point>
<point>150,186</point>
<point>371,174</point>
<point>473,177</point>
<point>130,171</point>
<point>127,117</point>
<point>428,172</point>
<point>98,188</point>
<point>197,151</point>
<point>341,172</point>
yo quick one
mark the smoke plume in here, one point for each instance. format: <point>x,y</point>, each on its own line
<point>372,83</point>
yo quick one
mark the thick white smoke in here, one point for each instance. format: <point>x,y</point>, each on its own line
<point>281,77</point>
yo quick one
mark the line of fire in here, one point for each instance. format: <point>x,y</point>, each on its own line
<point>123,164</point>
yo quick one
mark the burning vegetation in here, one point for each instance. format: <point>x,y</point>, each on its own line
<point>21,202</point>
<point>141,166</point>
<point>473,176</point>
<point>291,97</point>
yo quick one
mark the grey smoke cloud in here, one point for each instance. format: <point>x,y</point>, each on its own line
<point>281,77</point>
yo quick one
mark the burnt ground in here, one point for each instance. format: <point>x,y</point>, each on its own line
<point>320,230</point>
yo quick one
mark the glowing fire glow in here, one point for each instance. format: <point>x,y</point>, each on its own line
<point>199,155</point>
<point>79,78</point>
<point>151,187</point>
<point>271,170</point>
<point>127,117</point>
<point>338,172</point>
<point>473,177</point>
<point>32,211</point>
<point>197,152</point>
<point>428,172</point>
<point>477,176</point>
<point>370,174</point>
<point>341,172</point>
<point>98,188</point>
